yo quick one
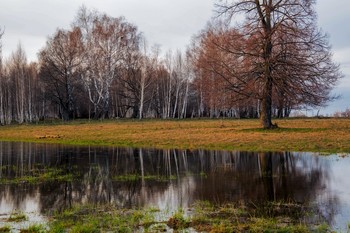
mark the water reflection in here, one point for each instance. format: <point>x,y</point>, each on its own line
<point>167,179</point>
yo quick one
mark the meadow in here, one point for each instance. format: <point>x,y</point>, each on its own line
<point>305,134</point>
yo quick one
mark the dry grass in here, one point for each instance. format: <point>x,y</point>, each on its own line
<point>324,135</point>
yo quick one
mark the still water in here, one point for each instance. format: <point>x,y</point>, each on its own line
<point>169,179</point>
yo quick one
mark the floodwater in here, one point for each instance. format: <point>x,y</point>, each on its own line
<point>170,179</point>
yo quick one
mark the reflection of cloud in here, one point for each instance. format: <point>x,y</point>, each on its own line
<point>28,203</point>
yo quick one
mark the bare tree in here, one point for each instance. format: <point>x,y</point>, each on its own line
<point>188,78</point>
<point>60,68</point>
<point>2,99</point>
<point>107,41</point>
<point>17,73</point>
<point>168,85</point>
<point>220,73</point>
<point>283,50</point>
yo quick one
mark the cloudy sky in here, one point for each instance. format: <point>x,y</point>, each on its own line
<point>169,23</point>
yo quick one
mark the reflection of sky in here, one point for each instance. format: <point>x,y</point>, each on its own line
<point>30,206</point>
<point>340,186</point>
<point>335,195</point>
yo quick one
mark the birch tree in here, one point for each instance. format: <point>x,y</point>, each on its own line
<point>107,40</point>
<point>140,73</point>
<point>17,74</point>
<point>2,96</point>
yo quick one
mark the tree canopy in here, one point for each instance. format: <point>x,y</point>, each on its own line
<point>277,53</point>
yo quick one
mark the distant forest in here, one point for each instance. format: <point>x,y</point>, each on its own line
<point>102,67</point>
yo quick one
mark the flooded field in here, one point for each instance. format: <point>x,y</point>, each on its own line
<point>38,180</point>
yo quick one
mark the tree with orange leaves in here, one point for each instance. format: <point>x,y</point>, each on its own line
<point>282,50</point>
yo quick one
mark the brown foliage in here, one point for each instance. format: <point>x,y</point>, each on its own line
<point>277,54</point>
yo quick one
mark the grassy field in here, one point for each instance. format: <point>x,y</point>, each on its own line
<point>323,135</point>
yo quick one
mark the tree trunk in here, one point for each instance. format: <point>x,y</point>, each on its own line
<point>266,102</point>
<point>266,106</point>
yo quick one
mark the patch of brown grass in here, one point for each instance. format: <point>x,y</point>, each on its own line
<point>326,135</point>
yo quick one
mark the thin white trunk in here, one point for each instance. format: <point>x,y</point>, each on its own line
<point>2,120</point>
<point>142,96</point>
<point>184,105</point>
<point>176,98</point>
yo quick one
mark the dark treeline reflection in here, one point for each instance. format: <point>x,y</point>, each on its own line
<point>160,178</point>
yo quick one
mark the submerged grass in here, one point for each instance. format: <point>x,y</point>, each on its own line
<point>39,175</point>
<point>17,217</point>
<point>5,229</point>
<point>36,228</point>
<point>138,177</point>
<point>204,217</point>
<point>101,219</point>
<point>326,135</point>
<point>230,218</point>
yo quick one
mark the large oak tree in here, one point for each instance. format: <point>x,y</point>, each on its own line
<point>284,52</point>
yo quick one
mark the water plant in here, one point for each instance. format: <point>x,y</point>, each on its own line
<point>5,229</point>
<point>17,217</point>
<point>37,175</point>
<point>178,221</point>
<point>139,177</point>
<point>232,218</point>
<point>89,218</point>
<point>35,228</point>
<point>204,216</point>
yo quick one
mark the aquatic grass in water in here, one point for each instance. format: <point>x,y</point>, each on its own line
<point>138,177</point>
<point>228,218</point>
<point>204,217</point>
<point>89,218</point>
<point>36,228</point>
<point>17,217</point>
<point>5,229</point>
<point>40,175</point>
<point>178,221</point>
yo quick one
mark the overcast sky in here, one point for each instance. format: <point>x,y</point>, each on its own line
<point>169,23</point>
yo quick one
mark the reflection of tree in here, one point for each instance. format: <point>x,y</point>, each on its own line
<point>266,177</point>
<point>178,177</point>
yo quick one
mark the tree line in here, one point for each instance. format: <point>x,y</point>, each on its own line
<point>275,61</point>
